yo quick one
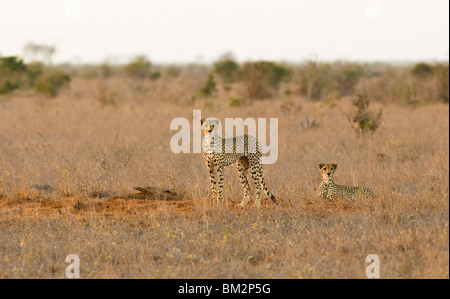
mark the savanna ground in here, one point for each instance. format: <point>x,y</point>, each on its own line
<point>101,137</point>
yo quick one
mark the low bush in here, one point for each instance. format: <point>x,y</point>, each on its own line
<point>34,71</point>
<point>410,86</point>
<point>51,83</point>
<point>210,87</point>
<point>262,78</point>
<point>422,70</point>
<point>362,120</point>
<point>138,68</point>
<point>12,72</point>
<point>227,69</point>
<point>315,80</point>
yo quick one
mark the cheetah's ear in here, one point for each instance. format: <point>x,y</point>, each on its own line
<point>321,165</point>
<point>202,121</point>
<point>334,165</point>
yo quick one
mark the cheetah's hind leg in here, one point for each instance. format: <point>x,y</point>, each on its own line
<point>256,174</point>
<point>242,167</point>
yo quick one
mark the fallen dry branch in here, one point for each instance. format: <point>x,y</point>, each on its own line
<point>156,194</point>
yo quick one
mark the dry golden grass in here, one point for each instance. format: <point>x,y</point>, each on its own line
<point>91,153</point>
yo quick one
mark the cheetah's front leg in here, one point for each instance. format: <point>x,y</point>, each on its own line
<point>212,180</point>
<point>220,184</point>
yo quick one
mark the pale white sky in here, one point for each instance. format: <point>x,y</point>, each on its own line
<point>181,31</point>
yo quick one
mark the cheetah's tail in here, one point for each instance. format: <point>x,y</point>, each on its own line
<point>263,185</point>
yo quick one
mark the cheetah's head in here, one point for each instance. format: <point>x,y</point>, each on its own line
<point>327,171</point>
<point>210,125</point>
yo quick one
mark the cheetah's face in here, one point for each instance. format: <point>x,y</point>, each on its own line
<point>327,170</point>
<point>209,126</point>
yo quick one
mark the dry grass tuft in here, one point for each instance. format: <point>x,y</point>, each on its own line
<point>90,154</point>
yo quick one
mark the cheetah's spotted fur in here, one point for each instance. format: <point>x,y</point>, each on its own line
<point>244,150</point>
<point>332,191</point>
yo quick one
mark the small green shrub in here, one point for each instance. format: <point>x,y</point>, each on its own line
<point>34,71</point>
<point>346,76</point>
<point>331,101</point>
<point>287,105</point>
<point>210,87</point>
<point>362,120</point>
<point>8,86</point>
<point>279,74</point>
<point>138,68</point>
<point>262,78</point>
<point>236,102</point>
<point>12,64</point>
<point>12,72</point>
<point>227,69</point>
<point>50,84</point>
<point>422,70</point>
<point>155,75</point>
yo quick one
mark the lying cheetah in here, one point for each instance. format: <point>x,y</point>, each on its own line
<point>332,191</point>
<point>219,152</point>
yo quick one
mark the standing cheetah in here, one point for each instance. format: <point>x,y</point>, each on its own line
<point>219,152</point>
<point>332,191</point>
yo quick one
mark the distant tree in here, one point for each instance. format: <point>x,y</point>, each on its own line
<point>210,87</point>
<point>12,70</point>
<point>422,70</point>
<point>51,83</point>
<point>139,67</point>
<point>315,80</point>
<point>262,78</point>
<point>39,52</point>
<point>227,68</point>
